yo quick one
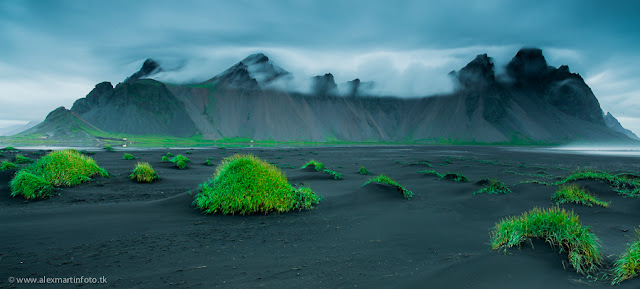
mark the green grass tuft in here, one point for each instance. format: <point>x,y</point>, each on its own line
<point>431,173</point>
<point>208,162</point>
<point>127,156</point>
<point>165,159</point>
<point>575,194</point>
<point>58,168</point>
<point>625,184</point>
<point>180,161</point>
<point>386,180</point>
<point>7,166</point>
<point>246,184</point>
<point>456,177</point>
<point>9,148</point>
<point>318,166</point>
<point>558,228</point>
<point>144,173</point>
<point>363,171</point>
<point>335,175</point>
<point>30,186</point>
<point>628,264</point>
<point>169,154</point>
<point>20,159</point>
<point>495,187</point>
<point>108,148</point>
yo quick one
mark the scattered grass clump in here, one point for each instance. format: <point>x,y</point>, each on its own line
<point>628,264</point>
<point>335,175</point>
<point>386,180</point>
<point>144,173</point>
<point>169,154</point>
<point>1,154</point>
<point>208,162</point>
<point>127,156</point>
<point>180,161</point>
<point>318,166</point>
<point>493,186</point>
<point>58,168</point>
<point>165,158</point>
<point>575,194</point>
<point>5,165</point>
<point>187,153</point>
<point>246,184</point>
<point>20,159</point>
<point>431,173</point>
<point>363,171</point>
<point>9,148</point>
<point>456,177</point>
<point>625,184</point>
<point>30,186</point>
<point>558,228</point>
<point>108,148</point>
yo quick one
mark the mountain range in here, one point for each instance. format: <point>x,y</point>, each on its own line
<point>531,103</point>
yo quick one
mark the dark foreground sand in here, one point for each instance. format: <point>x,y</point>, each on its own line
<point>149,235</point>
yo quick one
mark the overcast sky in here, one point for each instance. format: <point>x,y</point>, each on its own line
<point>54,52</point>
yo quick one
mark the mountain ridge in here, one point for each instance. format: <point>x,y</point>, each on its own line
<point>537,103</point>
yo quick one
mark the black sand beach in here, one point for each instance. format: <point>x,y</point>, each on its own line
<point>149,235</point>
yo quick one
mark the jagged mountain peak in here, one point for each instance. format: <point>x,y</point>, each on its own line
<point>476,74</point>
<point>253,71</point>
<point>324,85</point>
<point>149,68</point>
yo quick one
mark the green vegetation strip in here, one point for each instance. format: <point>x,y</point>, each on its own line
<point>382,179</point>
<point>625,184</point>
<point>246,184</point>
<point>127,156</point>
<point>20,159</point>
<point>575,194</point>
<point>58,168</point>
<point>557,227</point>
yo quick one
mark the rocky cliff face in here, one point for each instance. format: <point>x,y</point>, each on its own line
<point>149,68</point>
<point>135,107</point>
<point>614,124</point>
<point>536,103</point>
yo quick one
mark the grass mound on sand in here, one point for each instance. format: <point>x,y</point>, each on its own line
<point>628,265</point>
<point>20,159</point>
<point>108,148</point>
<point>363,171</point>
<point>558,228</point>
<point>456,177</point>
<point>58,168</point>
<point>575,194</point>
<point>143,173</point>
<point>180,161</point>
<point>127,156</point>
<point>386,180</point>
<point>246,184</point>
<point>7,166</point>
<point>625,184</point>
<point>430,173</point>
<point>493,186</point>
<point>318,166</point>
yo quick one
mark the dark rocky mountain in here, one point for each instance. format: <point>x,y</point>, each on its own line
<point>149,68</point>
<point>536,103</point>
<point>614,124</point>
<point>143,106</point>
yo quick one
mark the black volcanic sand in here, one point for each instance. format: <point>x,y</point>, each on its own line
<point>149,235</point>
